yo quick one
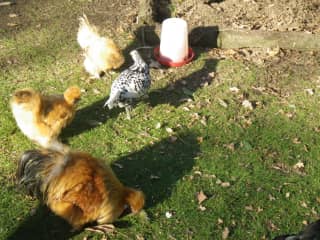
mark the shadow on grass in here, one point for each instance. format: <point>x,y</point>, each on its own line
<point>155,169</point>
<point>178,90</point>
<point>88,118</point>
<point>45,225</point>
<point>42,225</point>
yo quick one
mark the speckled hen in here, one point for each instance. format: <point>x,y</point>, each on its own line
<point>130,85</point>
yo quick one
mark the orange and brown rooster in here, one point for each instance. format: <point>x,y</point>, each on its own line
<point>41,118</point>
<point>76,186</point>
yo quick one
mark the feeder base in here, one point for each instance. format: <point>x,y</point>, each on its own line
<point>169,63</point>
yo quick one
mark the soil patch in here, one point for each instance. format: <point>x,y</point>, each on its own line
<point>270,15</point>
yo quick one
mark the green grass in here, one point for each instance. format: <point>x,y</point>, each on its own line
<point>253,150</point>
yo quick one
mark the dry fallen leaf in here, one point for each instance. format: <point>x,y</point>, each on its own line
<point>234,89</point>
<point>204,121</point>
<point>299,165</point>
<point>271,198</point>
<point>139,237</point>
<point>201,197</point>
<point>202,208</point>
<point>230,146</point>
<point>197,172</point>
<point>12,15</point>
<point>212,74</point>
<point>169,130</point>
<point>200,139</point>
<point>247,104</point>
<point>225,233</point>
<point>225,184</point>
<point>248,208</point>
<point>220,221</point>
<point>281,167</point>
<point>309,91</point>
<point>186,109</point>
<point>12,24</point>
<point>210,176</point>
<point>223,103</point>
<point>304,204</point>
<point>158,125</point>
<point>218,181</point>
<point>259,209</point>
<point>96,91</point>
<point>317,129</point>
<point>296,141</point>
<point>272,226</point>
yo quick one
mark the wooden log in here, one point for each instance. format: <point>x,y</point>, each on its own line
<point>268,39</point>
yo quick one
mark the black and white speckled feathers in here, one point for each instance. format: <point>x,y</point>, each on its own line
<point>131,84</point>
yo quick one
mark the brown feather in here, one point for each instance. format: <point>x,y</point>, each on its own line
<point>81,189</point>
<point>41,117</point>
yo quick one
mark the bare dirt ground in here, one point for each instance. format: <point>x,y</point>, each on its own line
<point>112,17</point>
<point>270,15</point>
<point>121,16</point>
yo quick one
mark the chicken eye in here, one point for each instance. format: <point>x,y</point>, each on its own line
<point>23,94</point>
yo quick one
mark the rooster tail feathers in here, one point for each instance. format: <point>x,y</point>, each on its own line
<point>38,168</point>
<point>135,199</point>
<point>72,94</point>
<point>86,33</point>
<point>31,163</point>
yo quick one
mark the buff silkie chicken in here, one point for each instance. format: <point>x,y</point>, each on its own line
<point>77,187</point>
<point>130,85</point>
<point>101,53</point>
<point>41,118</point>
<point>311,232</point>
